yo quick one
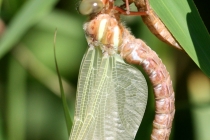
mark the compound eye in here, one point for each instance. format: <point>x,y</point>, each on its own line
<point>88,7</point>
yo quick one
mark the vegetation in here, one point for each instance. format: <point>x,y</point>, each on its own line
<point>30,104</point>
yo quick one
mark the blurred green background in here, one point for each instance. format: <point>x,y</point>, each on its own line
<point>30,104</point>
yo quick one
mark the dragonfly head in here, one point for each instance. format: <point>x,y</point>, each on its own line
<point>88,7</point>
<point>93,7</point>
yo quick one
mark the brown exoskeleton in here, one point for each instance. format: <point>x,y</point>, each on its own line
<point>151,19</point>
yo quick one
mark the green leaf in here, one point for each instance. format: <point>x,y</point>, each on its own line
<point>29,14</point>
<point>183,20</point>
<point>16,101</point>
<point>0,5</point>
<point>63,97</point>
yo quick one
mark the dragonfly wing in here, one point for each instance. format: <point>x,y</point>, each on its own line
<point>123,103</point>
<point>131,93</point>
<point>86,78</point>
<point>114,101</point>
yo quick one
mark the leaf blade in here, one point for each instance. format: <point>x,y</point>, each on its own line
<point>29,14</point>
<point>184,22</point>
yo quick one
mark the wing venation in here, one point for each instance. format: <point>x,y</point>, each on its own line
<point>111,99</point>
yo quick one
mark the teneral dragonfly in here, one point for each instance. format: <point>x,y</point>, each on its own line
<point>112,95</point>
<point>151,19</point>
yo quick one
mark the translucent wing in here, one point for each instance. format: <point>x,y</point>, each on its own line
<point>131,94</point>
<point>111,99</point>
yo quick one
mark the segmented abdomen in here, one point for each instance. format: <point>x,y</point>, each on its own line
<point>156,26</point>
<point>135,51</point>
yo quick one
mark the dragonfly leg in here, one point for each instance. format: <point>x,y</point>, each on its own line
<point>126,4</point>
<point>127,7</point>
<point>142,5</point>
<point>125,12</point>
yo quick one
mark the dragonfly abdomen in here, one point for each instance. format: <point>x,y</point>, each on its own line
<point>135,51</point>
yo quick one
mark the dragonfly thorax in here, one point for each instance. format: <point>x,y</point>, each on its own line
<point>104,31</point>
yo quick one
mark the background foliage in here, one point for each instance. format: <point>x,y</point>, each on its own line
<point>30,106</point>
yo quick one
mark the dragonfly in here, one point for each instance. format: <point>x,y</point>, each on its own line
<point>112,95</point>
<point>151,19</point>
